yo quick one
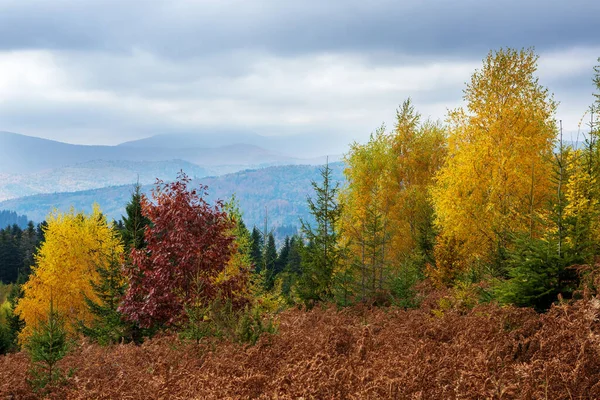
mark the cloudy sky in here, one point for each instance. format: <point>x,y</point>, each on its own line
<point>103,72</point>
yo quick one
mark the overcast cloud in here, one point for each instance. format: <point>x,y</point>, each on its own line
<point>104,72</point>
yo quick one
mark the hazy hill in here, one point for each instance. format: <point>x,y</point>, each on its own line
<point>282,189</point>
<point>96,174</point>
<point>30,166</point>
<point>21,154</point>
<point>300,146</point>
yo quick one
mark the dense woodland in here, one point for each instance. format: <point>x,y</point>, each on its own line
<point>450,227</point>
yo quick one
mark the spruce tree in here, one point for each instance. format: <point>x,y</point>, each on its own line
<point>46,347</point>
<point>256,250</point>
<point>282,258</point>
<point>108,327</point>
<point>270,261</point>
<point>135,222</point>
<point>321,255</point>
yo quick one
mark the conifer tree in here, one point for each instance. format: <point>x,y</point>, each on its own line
<point>135,222</point>
<point>46,347</point>
<point>321,256</point>
<point>257,248</point>
<point>108,326</point>
<point>283,256</point>
<point>270,261</point>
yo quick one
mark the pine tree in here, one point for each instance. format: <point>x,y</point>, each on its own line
<point>321,256</point>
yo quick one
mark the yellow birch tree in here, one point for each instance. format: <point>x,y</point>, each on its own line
<point>497,174</point>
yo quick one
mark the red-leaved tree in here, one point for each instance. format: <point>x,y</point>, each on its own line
<point>189,244</point>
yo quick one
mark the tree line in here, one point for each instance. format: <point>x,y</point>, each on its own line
<point>489,205</point>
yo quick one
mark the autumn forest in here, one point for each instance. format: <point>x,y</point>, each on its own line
<point>460,260</point>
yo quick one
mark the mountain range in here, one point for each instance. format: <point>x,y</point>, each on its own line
<point>269,175</point>
<point>278,193</point>
<point>30,165</point>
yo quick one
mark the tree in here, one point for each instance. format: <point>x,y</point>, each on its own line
<point>283,256</point>
<point>46,347</point>
<point>270,262</point>
<point>496,177</point>
<point>189,244</point>
<point>108,325</point>
<point>257,248</point>
<point>388,214</point>
<point>135,222</point>
<point>321,256</point>
<point>537,274</point>
<point>75,245</point>
<point>11,254</point>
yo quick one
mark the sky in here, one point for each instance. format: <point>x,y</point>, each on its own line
<point>105,72</point>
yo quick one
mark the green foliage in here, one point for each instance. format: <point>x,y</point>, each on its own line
<point>402,283</point>
<point>270,260</point>
<point>135,222</point>
<point>537,274</point>
<point>256,249</point>
<point>5,339</point>
<point>220,319</point>
<point>109,326</point>
<point>46,347</point>
<point>252,324</point>
<point>321,256</point>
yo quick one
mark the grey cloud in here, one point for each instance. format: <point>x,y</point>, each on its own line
<point>181,29</point>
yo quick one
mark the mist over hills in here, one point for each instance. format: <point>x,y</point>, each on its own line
<point>298,145</point>
<point>281,189</point>
<point>30,165</point>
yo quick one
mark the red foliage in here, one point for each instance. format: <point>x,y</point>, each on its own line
<point>188,245</point>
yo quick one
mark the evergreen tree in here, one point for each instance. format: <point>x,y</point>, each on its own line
<point>283,257</point>
<point>46,347</point>
<point>256,250</point>
<point>294,259</point>
<point>11,254</point>
<point>270,261</point>
<point>321,256</point>
<point>109,326</point>
<point>14,323</point>
<point>134,224</point>
<point>537,274</point>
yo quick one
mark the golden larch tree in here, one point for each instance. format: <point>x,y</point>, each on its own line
<point>75,246</point>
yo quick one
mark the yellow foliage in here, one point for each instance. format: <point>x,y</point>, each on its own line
<point>497,174</point>
<point>386,202</point>
<point>449,261</point>
<point>75,246</point>
<point>582,193</point>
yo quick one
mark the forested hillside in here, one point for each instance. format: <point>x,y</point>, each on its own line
<point>282,190</point>
<point>455,259</point>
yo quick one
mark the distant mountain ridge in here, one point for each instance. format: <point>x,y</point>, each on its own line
<point>30,165</point>
<point>281,189</point>
<point>307,146</point>
<point>25,154</point>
